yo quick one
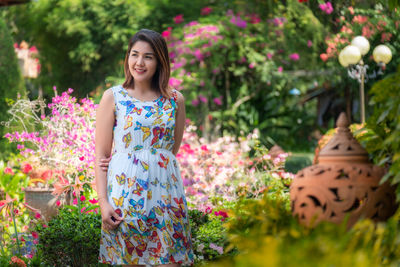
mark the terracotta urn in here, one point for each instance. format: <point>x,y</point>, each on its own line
<point>43,200</point>
<point>343,185</point>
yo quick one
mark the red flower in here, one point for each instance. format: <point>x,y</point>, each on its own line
<point>206,10</point>
<point>27,168</point>
<point>81,158</point>
<point>35,235</point>
<point>178,19</point>
<point>324,57</point>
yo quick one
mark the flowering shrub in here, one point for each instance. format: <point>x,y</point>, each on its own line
<point>231,67</point>
<point>64,140</point>
<point>222,170</point>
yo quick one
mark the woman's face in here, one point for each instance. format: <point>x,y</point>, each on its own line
<point>142,62</point>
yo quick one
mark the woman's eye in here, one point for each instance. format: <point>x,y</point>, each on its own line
<point>149,57</point>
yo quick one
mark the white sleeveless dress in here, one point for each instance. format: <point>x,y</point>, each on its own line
<point>144,186</point>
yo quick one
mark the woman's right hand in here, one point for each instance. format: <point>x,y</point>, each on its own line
<point>104,162</point>
<point>107,213</point>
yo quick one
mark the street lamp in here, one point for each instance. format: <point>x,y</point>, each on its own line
<point>351,58</point>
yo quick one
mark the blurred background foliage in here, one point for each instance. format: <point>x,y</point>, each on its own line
<point>274,73</point>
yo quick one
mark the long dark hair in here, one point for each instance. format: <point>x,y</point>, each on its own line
<point>161,76</point>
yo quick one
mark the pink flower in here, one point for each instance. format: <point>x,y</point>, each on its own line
<point>93,201</point>
<point>208,210</point>
<point>58,203</point>
<point>326,7</point>
<point>294,57</point>
<point>280,68</point>
<point>26,168</point>
<point>203,99</point>
<point>167,34</point>
<point>75,202</point>
<point>254,19</point>
<point>35,235</point>
<point>8,170</point>
<point>197,53</point>
<point>238,21</point>
<point>204,148</point>
<point>82,158</point>
<point>219,249</point>
<point>218,100</point>
<point>178,19</point>
<point>324,57</point>
<point>195,102</point>
<point>309,43</point>
<point>35,242</point>
<point>252,65</point>
<point>83,198</point>
<point>206,10</point>
<point>174,82</point>
<point>37,215</point>
<point>44,225</point>
<point>269,55</point>
<point>351,9</point>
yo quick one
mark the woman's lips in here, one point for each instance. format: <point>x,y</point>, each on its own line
<point>140,71</point>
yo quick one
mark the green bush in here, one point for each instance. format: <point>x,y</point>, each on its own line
<point>11,83</point>
<point>381,136</point>
<point>208,233</point>
<point>266,234</point>
<point>70,241</point>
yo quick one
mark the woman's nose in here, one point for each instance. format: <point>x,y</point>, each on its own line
<point>140,61</point>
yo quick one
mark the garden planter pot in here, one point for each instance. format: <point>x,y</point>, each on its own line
<point>343,184</point>
<point>43,200</point>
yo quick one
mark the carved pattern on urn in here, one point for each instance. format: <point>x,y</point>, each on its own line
<point>343,183</point>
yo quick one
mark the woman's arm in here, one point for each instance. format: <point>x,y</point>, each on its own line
<point>180,121</point>
<point>105,120</point>
<point>103,139</point>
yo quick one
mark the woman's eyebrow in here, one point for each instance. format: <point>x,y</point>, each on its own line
<point>148,53</point>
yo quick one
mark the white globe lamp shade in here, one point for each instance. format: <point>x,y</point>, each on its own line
<point>362,43</point>
<point>382,53</point>
<point>342,61</point>
<point>351,54</point>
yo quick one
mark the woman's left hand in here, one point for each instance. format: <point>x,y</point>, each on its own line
<point>104,163</point>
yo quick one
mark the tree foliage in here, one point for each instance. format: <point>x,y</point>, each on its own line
<point>11,82</point>
<point>80,42</point>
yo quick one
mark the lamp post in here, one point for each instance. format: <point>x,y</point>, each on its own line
<point>351,57</point>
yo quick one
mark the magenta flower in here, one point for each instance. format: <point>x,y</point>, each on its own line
<point>238,21</point>
<point>173,82</point>
<point>167,34</point>
<point>254,19</point>
<point>218,100</point>
<point>252,65</point>
<point>280,68</point>
<point>93,201</point>
<point>178,19</point>
<point>327,7</point>
<point>309,43</point>
<point>198,55</point>
<point>206,10</point>
<point>195,102</point>
<point>203,99</point>
<point>269,55</point>
<point>294,57</point>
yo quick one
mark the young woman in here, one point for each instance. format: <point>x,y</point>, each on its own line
<point>141,196</point>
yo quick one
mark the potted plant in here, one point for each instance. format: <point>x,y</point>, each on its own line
<point>60,149</point>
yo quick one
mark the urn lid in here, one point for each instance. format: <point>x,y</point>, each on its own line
<point>343,145</point>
